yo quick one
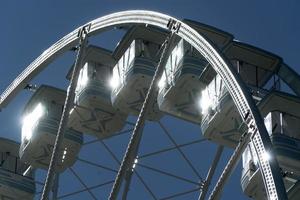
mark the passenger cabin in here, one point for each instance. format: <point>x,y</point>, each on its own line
<point>221,121</point>
<point>138,54</point>
<point>254,65</point>
<point>180,85</point>
<point>93,112</point>
<point>281,113</point>
<point>41,117</point>
<point>186,74</point>
<point>219,38</point>
<point>256,68</point>
<point>13,184</point>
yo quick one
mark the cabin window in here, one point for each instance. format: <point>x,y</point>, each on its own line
<point>83,78</point>
<point>212,94</point>
<point>31,120</point>
<point>12,163</point>
<point>277,122</point>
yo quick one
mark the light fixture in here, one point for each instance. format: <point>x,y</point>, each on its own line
<point>205,102</point>
<point>31,120</point>
<point>64,155</point>
<point>71,111</point>
<point>114,82</point>
<point>134,164</point>
<point>266,156</point>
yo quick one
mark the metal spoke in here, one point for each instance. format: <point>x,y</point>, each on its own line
<point>181,194</point>
<point>139,177</point>
<point>211,172</point>
<point>97,165</point>
<point>145,185</point>
<point>83,190</point>
<point>215,194</point>
<point>171,148</point>
<point>168,174</point>
<point>112,154</point>
<point>55,187</point>
<point>66,110</point>
<point>180,151</point>
<point>82,183</point>
<point>132,148</point>
<point>100,139</point>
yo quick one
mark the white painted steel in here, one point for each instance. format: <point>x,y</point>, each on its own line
<point>243,101</point>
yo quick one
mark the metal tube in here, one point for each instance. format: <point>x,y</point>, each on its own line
<point>55,187</point>
<point>65,115</point>
<point>132,148</point>
<point>211,172</point>
<point>137,174</point>
<point>215,194</point>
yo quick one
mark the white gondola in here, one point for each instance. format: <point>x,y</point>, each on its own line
<point>186,73</point>
<point>93,112</point>
<point>222,123</point>
<point>13,184</point>
<point>132,75</point>
<point>282,120</point>
<point>255,66</point>
<point>219,38</point>
<point>180,85</point>
<point>41,118</point>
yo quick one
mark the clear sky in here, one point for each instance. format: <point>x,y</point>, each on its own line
<point>29,27</point>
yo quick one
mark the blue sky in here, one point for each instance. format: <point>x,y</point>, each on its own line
<point>29,27</point>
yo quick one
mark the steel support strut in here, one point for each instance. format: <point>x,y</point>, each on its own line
<point>231,164</point>
<point>211,172</point>
<point>82,34</point>
<point>55,187</point>
<point>125,171</point>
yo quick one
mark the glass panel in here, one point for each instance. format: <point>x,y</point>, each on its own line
<point>121,69</point>
<point>31,120</point>
<point>168,71</point>
<point>268,123</point>
<point>131,52</point>
<point>83,78</point>
<point>162,82</point>
<point>178,53</point>
<point>9,163</point>
<point>115,80</point>
<point>284,123</point>
<point>125,59</point>
<point>246,158</point>
<point>212,94</point>
<point>290,125</point>
<point>253,154</point>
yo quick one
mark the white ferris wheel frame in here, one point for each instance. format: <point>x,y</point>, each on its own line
<point>269,168</point>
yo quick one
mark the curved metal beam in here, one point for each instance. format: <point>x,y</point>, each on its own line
<point>236,87</point>
<point>290,77</point>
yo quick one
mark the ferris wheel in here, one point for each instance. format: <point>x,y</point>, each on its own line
<point>125,107</point>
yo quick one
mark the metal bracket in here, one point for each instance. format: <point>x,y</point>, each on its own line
<point>31,87</point>
<point>84,30</point>
<point>173,25</point>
